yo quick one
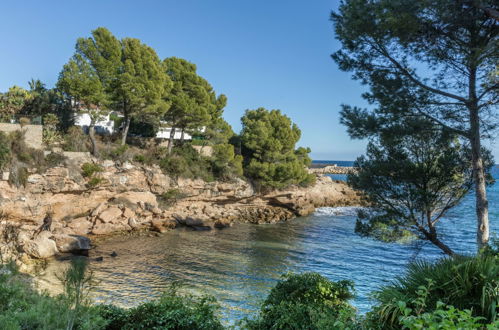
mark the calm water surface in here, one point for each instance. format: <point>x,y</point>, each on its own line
<point>239,265</point>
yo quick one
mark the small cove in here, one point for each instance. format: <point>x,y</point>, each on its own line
<point>239,265</point>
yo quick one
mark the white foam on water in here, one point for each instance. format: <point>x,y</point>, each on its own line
<point>337,211</point>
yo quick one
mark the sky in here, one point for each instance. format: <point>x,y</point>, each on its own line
<point>260,53</point>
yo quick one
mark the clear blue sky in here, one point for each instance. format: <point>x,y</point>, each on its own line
<point>274,54</point>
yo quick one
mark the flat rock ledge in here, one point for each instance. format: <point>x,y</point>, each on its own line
<point>139,198</point>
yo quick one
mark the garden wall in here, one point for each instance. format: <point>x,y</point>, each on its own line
<point>33,133</point>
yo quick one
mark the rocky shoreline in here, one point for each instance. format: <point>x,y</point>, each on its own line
<point>333,169</point>
<point>136,198</point>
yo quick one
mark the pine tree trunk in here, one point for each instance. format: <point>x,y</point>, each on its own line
<point>91,134</point>
<point>125,130</point>
<point>431,235</point>
<point>482,204</point>
<point>170,140</point>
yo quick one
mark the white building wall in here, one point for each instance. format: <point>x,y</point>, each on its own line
<point>104,126</point>
<point>164,133</point>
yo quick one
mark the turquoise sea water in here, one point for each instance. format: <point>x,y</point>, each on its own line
<point>239,265</point>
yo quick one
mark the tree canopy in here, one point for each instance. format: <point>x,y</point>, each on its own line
<point>130,72</point>
<point>194,104</point>
<point>13,101</point>
<point>424,58</point>
<point>79,82</point>
<point>270,159</point>
<point>412,175</point>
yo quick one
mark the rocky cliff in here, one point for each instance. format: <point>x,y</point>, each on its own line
<point>132,198</point>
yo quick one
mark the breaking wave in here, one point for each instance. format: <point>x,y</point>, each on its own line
<point>337,211</point>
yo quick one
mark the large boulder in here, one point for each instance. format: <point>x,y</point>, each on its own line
<point>80,226</point>
<point>41,247</point>
<point>110,214</point>
<point>72,243</point>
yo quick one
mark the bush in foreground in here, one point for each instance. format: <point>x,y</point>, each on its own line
<point>306,301</point>
<point>466,283</point>
<point>22,307</point>
<point>171,311</point>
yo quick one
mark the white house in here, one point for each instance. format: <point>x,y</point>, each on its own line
<point>106,126</point>
<point>103,127</point>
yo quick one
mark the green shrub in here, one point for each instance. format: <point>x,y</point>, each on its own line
<point>467,283</point>
<point>268,141</point>
<point>5,154</point>
<point>171,311</point>
<point>89,169</point>
<point>22,307</point>
<point>186,162</point>
<point>226,164</point>
<point>170,198</point>
<point>442,317</point>
<point>18,175</point>
<point>306,301</point>
<point>140,159</point>
<point>120,153</point>
<point>95,181</point>
<point>75,140</point>
<point>54,159</point>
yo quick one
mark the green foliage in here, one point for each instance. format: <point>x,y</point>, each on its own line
<point>171,311</point>
<point>120,153</point>
<point>89,169</point>
<point>5,154</point>
<point>77,283</point>
<point>54,159</point>
<point>12,102</point>
<point>95,182</point>
<point>412,57</point>
<point>270,158</point>
<point>226,164</point>
<point>467,283</point>
<point>186,162</point>
<point>75,140</point>
<point>442,317</point>
<point>51,135</point>
<point>194,104</point>
<point>170,197</point>
<point>18,175</point>
<point>42,101</point>
<point>22,307</point>
<point>306,301</point>
<point>130,73</point>
<point>413,174</point>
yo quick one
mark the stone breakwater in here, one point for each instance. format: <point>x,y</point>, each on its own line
<point>138,198</point>
<point>332,169</point>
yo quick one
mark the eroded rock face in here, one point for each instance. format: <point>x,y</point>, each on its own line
<point>128,199</point>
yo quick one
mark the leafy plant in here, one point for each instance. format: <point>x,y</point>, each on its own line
<point>306,301</point>
<point>467,283</point>
<point>23,307</point>
<point>89,169</point>
<point>171,311</point>
<point>270,159</point>
<point>75,140</point>
<point>5,154</point>
<point>77,283</point>
<point>95,181</point>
